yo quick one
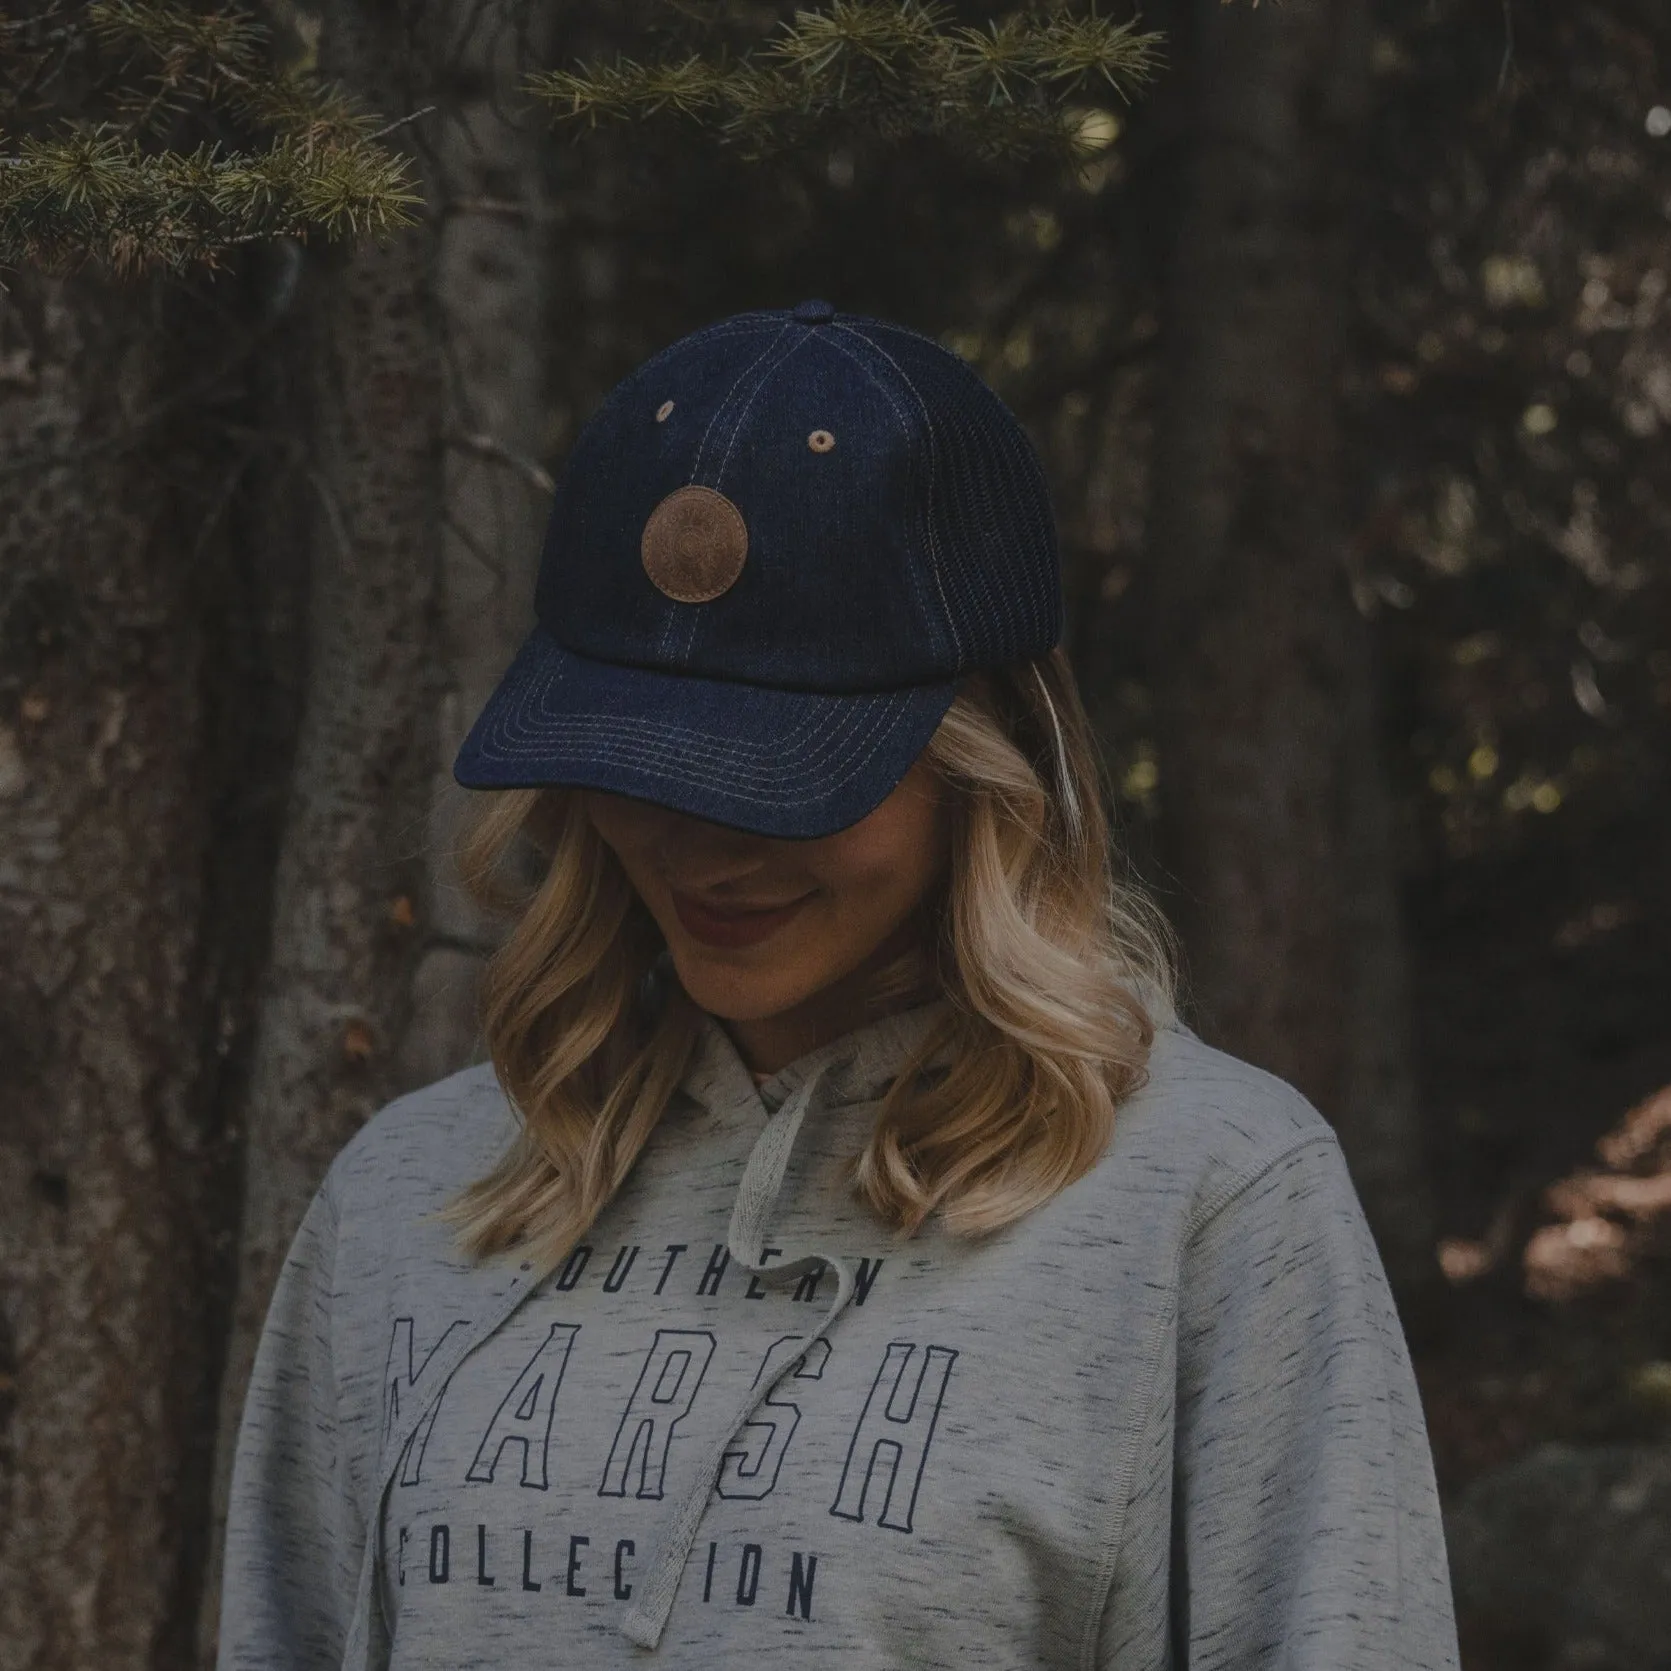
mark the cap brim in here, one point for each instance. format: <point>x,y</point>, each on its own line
<point>777,762</point>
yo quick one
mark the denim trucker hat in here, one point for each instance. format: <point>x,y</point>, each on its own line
<point>774,551</point>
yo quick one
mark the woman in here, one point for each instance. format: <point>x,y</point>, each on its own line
<point>846,1258</point>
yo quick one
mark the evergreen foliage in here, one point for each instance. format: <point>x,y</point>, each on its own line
<point>141,133</point>
<point>895,68</point>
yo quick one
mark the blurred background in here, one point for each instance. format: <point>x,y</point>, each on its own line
<point>1346,340</point>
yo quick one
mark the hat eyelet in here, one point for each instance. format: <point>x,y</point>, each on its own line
<point>820,440</point>
<point>664,411</point>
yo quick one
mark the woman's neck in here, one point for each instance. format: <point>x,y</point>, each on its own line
<point>771,1042</point>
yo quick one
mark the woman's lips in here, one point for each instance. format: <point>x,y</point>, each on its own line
<point>731,928</point>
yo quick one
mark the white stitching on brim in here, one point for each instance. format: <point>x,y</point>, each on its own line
<point>681,755</point>
<point>703,760</point>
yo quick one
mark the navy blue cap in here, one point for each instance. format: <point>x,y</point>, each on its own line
<point>774,552</point>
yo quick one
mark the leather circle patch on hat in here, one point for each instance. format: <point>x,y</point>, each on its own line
<point>694,544</point>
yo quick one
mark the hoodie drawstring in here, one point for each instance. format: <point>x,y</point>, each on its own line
<point>750,1219</point>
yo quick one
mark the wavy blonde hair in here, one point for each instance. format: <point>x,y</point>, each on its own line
<point>1058,971</point>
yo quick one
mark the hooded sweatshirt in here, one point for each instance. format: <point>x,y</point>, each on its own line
<point>1165,1420</point>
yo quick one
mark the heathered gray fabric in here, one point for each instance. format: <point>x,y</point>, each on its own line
<point>1167,1420</point>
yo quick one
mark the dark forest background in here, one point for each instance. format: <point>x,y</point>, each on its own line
<point>1349,355</point>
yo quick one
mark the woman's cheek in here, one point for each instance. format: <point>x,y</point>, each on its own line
<point>847,921</point>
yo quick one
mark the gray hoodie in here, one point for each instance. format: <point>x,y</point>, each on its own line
<point>1166,1420</point>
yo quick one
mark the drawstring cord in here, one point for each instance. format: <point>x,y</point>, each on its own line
<point>750,1219</point>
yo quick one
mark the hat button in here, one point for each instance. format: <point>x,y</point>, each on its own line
<point>815,312</point>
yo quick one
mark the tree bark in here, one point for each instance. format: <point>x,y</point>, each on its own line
<point>1274,815</point>
<point>142,725</point>
<point>350,886</point>
<point>427,427</point>
<point>493,276</point>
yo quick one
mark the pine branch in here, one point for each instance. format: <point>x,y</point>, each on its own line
<point>157,133</point>
<point>899,67</point>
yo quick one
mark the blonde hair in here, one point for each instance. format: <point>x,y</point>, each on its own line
<point>1058,972</point>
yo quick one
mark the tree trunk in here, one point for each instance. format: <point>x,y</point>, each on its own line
<point>1274,814</point>
<point>494,272</point>
<point>350,886</point>
<point>426,430</point>
<point>142,726</point>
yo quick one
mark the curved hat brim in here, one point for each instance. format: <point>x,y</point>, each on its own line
<point>788,763</point>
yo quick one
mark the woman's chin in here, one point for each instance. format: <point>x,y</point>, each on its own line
<point>719,982</point>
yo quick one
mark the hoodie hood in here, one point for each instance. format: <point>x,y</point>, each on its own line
<point>861,1064</point>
